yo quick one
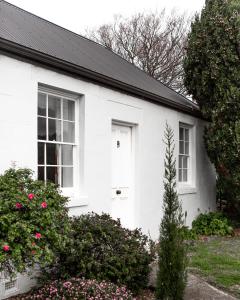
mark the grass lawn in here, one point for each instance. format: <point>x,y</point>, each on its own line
<point>218,261</point>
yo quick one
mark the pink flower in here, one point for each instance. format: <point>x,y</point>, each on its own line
<point>38,235</point>
<point>18,205</point>
<point>31,196</point>
<point>6,248</point>
<point>44,204</point>
<point>67,284</point>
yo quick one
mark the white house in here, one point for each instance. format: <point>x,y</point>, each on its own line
<point>83,117</point>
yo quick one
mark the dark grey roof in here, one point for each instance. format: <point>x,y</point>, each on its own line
<point>36,35</point>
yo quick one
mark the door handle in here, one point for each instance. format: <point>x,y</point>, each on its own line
<point>118,192</point>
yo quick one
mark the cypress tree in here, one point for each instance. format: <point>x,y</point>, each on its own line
<point>171,279</point>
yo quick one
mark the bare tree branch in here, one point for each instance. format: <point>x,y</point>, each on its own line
<point>154,42</point>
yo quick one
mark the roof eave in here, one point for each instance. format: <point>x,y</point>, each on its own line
<point>13,48</point>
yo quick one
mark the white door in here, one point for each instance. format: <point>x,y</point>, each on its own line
<point>122,175</point>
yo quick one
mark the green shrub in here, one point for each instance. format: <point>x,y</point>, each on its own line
<point>78,289</point>
<point>213,223</point>
<point>188,234</point>
<point>33,221</point>
<point>101,249</point>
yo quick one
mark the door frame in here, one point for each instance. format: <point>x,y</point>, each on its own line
<point>132,185</point>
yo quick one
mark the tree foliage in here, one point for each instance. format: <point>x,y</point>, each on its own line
<point>212,76</point>
<point>171,278</point>
<point>33,221</point>
<point>154,42</point>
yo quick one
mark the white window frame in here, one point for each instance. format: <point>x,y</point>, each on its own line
<point>184,154</point>
<point>70,192</point>
<point>188,187</point>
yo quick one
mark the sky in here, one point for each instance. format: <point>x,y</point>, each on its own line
<point>79,15</point>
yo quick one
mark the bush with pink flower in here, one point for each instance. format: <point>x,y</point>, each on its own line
<point>33,221</point>
<point>78,289</point>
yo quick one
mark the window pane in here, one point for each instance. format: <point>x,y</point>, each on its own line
<point>53,154</point>
<point>67,155</point>
<point>41,104</point>
<point>186,147</point>
<point>180,161</point>
<point>41,128</point>
<point>186,134</point>
<point>180,175</point>
<point>185,162</point>
<point>181,134</point>
<point>41,153</point>
<point>68,110</point>
<point>52,174</point>
<point>54,107</point>
<point>184,176</point>
<point>41,173</point>
<point>54,130</point>
<point>67,177</point>
<point>181,147</point>
<point>68,132</point>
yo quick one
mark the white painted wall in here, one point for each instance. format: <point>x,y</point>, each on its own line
<point>18,135</point>
<point>23,284</point>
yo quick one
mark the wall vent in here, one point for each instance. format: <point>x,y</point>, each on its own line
<point>10,286</point>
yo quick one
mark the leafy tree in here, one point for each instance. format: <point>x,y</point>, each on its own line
<point>171,279</point>
<point>212,76</point>
<point>154,42</point>
<point>33,221</point>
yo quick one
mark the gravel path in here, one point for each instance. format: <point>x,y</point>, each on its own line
<point>198,289</point>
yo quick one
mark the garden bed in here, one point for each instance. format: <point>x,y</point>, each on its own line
<point>147,294</point>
